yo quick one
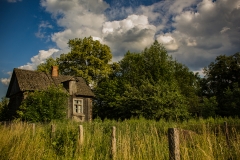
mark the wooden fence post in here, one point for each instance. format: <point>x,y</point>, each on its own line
<point>113,147</point>
<point>52,131</point>
<point>80,138</point>
<point>33,129</point>
<point>173,141</point>
<point>226,133</point>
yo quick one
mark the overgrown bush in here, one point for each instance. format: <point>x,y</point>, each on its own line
<point>44,106</point>
<point>4,109</point>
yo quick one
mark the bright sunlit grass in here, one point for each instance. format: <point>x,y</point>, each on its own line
<point>136,139</point>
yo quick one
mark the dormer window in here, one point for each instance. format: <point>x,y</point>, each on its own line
<point>77,105</point>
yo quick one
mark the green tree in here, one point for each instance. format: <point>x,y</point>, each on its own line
<point>44,106</point>
<point>189,85</point>
<point>47,66</point>
<point>222,80</point>
<point>88,59</point>
<point>146,84</point>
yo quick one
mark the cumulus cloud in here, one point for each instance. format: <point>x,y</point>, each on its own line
<point>6,81</point>
<point>194,32</point>
<point>133,33</point>
<point>199,31</point>
<point>168,41</point>
<point>40,58</point>
<point>79,18</point>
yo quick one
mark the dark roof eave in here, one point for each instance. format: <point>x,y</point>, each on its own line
<point>78,94</point>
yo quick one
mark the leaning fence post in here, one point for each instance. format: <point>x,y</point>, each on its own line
<point>80,134</point>
<point>33,129</point>
<point>113,147</point>
<point>52,131</point>
<point>226,133</point>
<point>173,141</point>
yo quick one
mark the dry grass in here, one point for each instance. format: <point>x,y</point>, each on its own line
<point>136,139</point>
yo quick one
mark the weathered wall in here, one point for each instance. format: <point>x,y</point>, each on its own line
<point>14,103</point>
<point>87,104</point>
<point>87,109</point>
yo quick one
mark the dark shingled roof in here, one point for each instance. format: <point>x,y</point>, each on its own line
<point>33,80</point>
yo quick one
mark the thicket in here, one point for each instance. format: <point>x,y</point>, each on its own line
<point>44,106</point>
<point>149,84</point>
<point>136,139</point>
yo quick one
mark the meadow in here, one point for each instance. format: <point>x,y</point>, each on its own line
<point>136,139</point>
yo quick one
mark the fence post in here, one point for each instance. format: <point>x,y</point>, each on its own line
<point>52,131</point>
<point>80,138</point>
<point>33,129</point>
<point>173,141</point>
<point>113,147</point>
<point>226,133</point>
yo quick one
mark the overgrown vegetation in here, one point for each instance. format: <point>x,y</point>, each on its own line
<point>44,106</point>
<point>4,113</point>
<point>149,84</point>
<point>136,139</point>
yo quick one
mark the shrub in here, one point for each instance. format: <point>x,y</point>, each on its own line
<point>44,106</point>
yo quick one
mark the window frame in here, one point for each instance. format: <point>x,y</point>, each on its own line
<point>78,108</point>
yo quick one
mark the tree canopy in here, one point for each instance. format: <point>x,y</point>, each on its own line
<point>222,80</point>
<point>87,58</point>
<point>150,83</point>
<point>147,84</point>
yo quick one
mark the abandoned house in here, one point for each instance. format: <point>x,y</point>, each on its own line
<point>80,95</point>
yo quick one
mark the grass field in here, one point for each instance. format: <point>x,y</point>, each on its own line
<point>136,140</point>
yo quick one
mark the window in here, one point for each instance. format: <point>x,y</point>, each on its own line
<point>77,105</point>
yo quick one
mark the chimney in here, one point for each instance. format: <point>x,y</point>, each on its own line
<point>54,71</point>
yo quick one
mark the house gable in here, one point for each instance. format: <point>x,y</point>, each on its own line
<point>13,86</point>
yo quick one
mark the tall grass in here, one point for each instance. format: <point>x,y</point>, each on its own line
<point>136,139</point>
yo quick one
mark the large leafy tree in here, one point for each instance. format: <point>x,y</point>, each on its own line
<point>47,66</point>
<point>147,84</point>
<point>222,80</point>
<point>88,59</point>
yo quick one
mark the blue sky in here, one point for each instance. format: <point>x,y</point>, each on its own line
<point>193,31</point>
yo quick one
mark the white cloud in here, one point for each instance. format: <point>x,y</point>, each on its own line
<point>133,33</point>
<point>40,58</point>
<point>6,81</point>
<point>198,31</point>
<point>168,41</point>
<point>79,18</point>
<point>191,30</point>
<point>224,29</point>
<point>200,72</point>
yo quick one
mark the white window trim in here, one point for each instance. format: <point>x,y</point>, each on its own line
<point>78,107</point>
